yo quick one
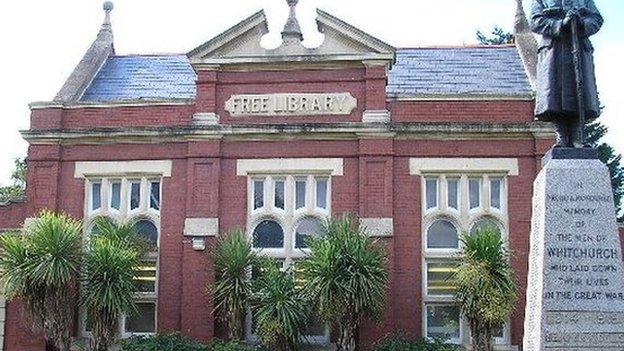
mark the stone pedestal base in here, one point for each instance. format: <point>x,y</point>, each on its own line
<point>575,295</point>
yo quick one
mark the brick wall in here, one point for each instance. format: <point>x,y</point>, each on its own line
<point>376,183</point>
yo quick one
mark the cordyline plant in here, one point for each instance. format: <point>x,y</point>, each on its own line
<point>114,254</point>
<point>280,309</point>
<point>233,258</point>
<point>41,268</point>
<point>346,276</point>
<point>486,290</point>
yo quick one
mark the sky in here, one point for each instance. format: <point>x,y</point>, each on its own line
<point>42,41</point>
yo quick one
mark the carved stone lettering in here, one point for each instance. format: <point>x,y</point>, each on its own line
<point>291,105</point>
<point>575,297</point>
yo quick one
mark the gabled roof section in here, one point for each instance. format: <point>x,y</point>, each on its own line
<point>463,72</point>
<point>241,44</point>
<point>91,62</point>
<point>143,78</point>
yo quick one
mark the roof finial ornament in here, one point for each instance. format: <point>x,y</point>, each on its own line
<point>108,7</point>
<point>292,30</point>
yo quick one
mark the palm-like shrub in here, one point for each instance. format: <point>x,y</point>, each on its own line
<point>108,279</point>
<point>41,268</point>
<point>486,290</point>
<point>280,309</point>
<point>346,276</point>
<point>233,257</point>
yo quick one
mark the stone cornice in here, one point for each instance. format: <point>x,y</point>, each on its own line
<point>41,105</point>
<point>324,131</point>
<point>460,97</point>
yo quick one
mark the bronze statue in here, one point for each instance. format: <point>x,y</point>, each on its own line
<point>566,83</point>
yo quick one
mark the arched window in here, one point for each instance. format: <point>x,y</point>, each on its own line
<point>442,234</point>
<point>268,234</point>
<point>307,227</point>
<point>147,230</point>
<point>485,223</point>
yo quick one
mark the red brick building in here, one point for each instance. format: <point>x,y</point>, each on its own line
<point>421,144</point>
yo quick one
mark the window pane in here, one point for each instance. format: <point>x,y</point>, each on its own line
<point>268,235</point>
<point>147,230</point>
<point>307,227</point>
<point>474,190</point>
<point>443,322</point>
<point>432,193</point>
<point>145,277</point>
<point>258,194</point>
<point>442,235</point>
<point>453,193</point>
<point>116,195</point>
<point>321,193</point>
<point>279,194</point>
<point>135,195</point>
<point>155,195</point>
<point>300,193</point>
<point>484,223</point>
<point>96,196</point>
<point>495,193</point>
<point>144,321</point>
<point>440,278</point>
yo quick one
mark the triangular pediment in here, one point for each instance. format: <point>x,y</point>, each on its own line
<point>241,44</point>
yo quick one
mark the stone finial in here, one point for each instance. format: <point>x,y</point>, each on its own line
<point>525,42</point>
<point>108,7</point>
<point>521,24</point>
<point>292,30</point>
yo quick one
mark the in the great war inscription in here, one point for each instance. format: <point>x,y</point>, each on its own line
<point>575,297</point>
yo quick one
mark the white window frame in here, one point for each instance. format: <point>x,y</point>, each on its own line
<point>463,218</point>
<point>288,218</point>
<point>125,213</point>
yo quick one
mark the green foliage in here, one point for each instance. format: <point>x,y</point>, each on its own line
<point>346,276</point>
<point>594,132</point>
<point>16,191</point>
<point>40,268</point>
<point>233,257</point>
<point>497,37</point>
<point>486,290</point>
<point>230,346</point>
<point>108,279</point>
<point>399,343</point>
<point>280,309</point>
<point>171,342</point>
<point>177,342</point>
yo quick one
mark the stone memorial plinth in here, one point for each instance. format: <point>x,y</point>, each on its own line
<point>575,296</point>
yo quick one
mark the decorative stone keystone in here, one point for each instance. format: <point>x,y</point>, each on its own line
<point>575,295</point>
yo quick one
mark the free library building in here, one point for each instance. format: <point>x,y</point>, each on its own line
<point>422,144</point>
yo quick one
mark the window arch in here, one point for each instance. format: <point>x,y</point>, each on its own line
<point>306,228</point>
<point>442,234</point>
<point>268,234</point>
<point>485,222</point>
<point>147,230</point>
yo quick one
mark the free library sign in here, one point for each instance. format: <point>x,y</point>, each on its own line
<point>291,104</point>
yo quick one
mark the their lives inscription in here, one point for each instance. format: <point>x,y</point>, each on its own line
<point>575,297</point>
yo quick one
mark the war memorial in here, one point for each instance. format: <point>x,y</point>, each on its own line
<point>422,144</point>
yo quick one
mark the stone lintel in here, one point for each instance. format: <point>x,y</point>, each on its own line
<point>378,227</point>
<point>201,227</point>
<point>376,116</point>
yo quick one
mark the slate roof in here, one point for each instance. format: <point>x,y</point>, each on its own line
<point>453,71</point>
<point>471,71</point>
<point>154,77</point>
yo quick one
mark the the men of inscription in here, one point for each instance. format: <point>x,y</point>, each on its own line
<point>565,74</point>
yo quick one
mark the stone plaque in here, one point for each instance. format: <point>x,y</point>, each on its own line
<point>291,105</point>
<point>575,293</point>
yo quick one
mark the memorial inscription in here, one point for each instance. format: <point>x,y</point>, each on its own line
<point>575,298</point>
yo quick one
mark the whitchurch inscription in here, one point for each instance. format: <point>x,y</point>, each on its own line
<point>291,104</point>
<point>576,282</point>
